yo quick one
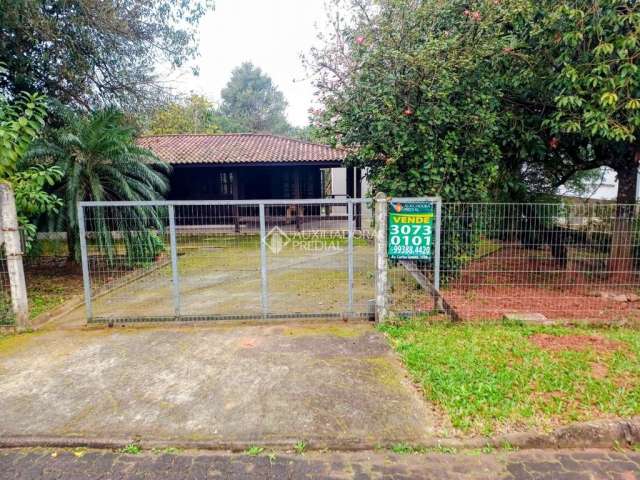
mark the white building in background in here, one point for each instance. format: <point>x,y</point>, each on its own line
<point>606,188</point>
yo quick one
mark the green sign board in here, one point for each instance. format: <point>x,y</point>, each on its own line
<point>410,230</point>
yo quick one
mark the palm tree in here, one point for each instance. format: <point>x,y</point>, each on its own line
<point>101,162</point>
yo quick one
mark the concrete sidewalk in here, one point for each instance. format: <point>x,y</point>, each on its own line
<point>333,384</point>
<point>530,465</point>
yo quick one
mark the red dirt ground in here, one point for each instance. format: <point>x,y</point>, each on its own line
<point>518,280</point>
<point>556,343</point>
<point>492,303</point>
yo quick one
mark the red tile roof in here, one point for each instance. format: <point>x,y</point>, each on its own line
<point>238,148</point>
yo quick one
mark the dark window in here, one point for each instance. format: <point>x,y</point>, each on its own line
<point>226,184</point>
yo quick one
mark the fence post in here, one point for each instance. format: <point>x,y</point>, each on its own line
<point>174,260</point>
<point>381,257</point>
<point>350,256</point>
<point>84,256</point>
<point>13,251</point>
<point>263,263</point>
<point>436,257</point>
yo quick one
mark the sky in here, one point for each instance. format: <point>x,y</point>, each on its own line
<point>272,34</point>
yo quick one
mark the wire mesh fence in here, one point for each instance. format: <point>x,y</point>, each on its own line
<point>227,260</point>
<point>562,260</point>
<point>6,311</point>
<point>316,258</point>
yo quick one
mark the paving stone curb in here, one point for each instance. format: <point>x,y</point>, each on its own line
<point>596,434</point>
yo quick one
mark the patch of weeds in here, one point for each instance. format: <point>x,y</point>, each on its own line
<point>636,447</point>
<point>507,447</point>
<point>272,457</point>
<point>443,450</point>
<point>300,447</point>
<point>166,450</point>
<point>406,449</point>
<point>131,449</point>
<point>79,452</point>
<point>254,450</point>
<point>486,450</point>
<point>403,448</point>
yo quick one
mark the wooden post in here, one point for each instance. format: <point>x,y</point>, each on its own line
<point>381,207</point>
<point>13,252</point>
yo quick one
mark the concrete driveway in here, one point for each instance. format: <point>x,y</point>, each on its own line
<point>331,384</point>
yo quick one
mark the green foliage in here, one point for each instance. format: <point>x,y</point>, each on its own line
<point>570,85</point>
<point>403,86</point>
<point>29,188</point>
<point>88,52</point>
<point>101,161</point>
<point>300,447</point>
<point>448,97</point>
<point>195,115</point>
<point>490,377</point>
<point>167,451</point>
<point>32,198</point>
<point>403,448</point>
<point>254,451</point>
<point>21,122</point>
<point>595,46</point>
<point>131,449</point>
<point>252,103</point>
<point>142,247</point>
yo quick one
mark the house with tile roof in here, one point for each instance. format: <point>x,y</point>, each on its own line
<point>248,166</point>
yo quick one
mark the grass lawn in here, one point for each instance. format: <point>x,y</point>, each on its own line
<point>493,377</point>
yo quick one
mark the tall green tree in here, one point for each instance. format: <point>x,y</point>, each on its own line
<point>252,103</point>
<point>570,86</point>
<point>95,52</point>
<point>446,97</point>
<point>101,161</point>
<point>403,86</point>
<point>571,81</point>
<point>195,114</point>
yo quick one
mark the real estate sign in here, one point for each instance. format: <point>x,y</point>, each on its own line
<point>410,230</point>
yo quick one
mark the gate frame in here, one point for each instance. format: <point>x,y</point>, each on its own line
<point>175,277</point>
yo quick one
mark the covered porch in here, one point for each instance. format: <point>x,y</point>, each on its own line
<point>259,182</point>
<point>245,167</point>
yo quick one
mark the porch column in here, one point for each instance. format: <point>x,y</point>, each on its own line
<point>236,196</point>
<point>350,182</point>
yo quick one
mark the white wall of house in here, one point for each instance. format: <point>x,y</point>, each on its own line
<point>339,183</point>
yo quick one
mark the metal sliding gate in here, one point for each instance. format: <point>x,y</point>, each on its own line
<point>216,260</point>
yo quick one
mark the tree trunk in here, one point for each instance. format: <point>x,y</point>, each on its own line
<point>621,260</point>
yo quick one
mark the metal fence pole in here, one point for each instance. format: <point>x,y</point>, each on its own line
<point>84,254</point>
<point>381,258</point>
<point>263,263</point>
<point>436,256</point>
<point>350,256</point>
<point>174,260</point>
<point>13,252</point>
